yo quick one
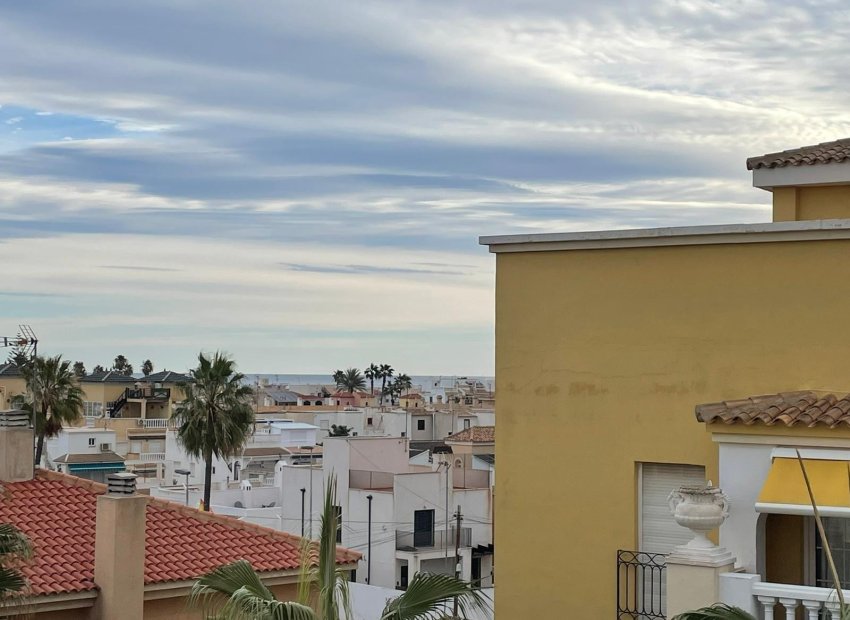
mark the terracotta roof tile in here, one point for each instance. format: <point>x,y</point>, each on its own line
<point>474,434</point>
<point>824,153</point>
<point>57,512</point>
<point>804,408</point>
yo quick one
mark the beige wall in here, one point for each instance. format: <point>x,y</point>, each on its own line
<point>9,388</point>
<point>601,357</point>
<point>811,203</point>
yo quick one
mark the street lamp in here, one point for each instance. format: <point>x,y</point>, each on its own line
<point>369,544</point>
<point>187,473</point>
<point>310,450</point>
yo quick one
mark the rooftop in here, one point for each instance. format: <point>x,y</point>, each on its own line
<point>474,434</point>
<point>803,408</point>
<point>57,512</point>
<point>108,376</point>
<point>167,376</point>
<point>10,370</point>
<point>97,457</point>
<point>836,151</point>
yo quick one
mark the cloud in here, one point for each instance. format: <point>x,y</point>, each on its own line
<point>365,146</point>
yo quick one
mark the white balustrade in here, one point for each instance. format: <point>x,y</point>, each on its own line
<point>151,457</point>
<point>791,598</point>
<point>154,423</point>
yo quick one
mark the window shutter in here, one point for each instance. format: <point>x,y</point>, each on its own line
<point>659,532</point>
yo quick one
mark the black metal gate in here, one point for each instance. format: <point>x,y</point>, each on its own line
<point>641,588</point>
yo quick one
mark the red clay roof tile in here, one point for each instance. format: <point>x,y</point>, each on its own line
<point>57,512</point>
<point>804,408</point>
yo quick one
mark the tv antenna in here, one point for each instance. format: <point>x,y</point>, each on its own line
<point>25,341</point>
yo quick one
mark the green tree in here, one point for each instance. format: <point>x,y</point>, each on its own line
<point>338,377</point>
<point>147,367</point>
<point>385,371</point>
<point>79,369</point>
<point>715,612</point>
<point>235,591</point>
<point>372,373</point>
<point>340,431</point>
<point>216,418</point>
<point>53,397</point>
<point>98,369</point>
<point>403,383</point>
<point>122,365</point>
<point>351,380</point>
<point>15,548</point>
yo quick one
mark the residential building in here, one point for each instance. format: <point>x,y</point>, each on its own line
<point>604,342</point>
<point>410,509</point>
<point>110,553</point>
<point>12,384</point>
<point>85,452</point>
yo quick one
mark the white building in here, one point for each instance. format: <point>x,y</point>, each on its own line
<point>84,452</point>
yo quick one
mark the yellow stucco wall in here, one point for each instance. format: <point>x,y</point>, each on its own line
<point>9,388</point>
<point>601,356</point>
<point>825,202</point>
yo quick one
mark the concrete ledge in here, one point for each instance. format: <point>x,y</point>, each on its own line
<point>774,232</point>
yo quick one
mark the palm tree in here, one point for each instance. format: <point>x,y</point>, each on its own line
<point>98,369</point>
<point>53,397</point>
<point>372,373</point>
<point>147,367</point>
<point>122,366</point>
<point>338,376</point>
<point>216,418</point>
<point>14,548</point>
<point>386,372</point>
<point>235,591</point>
<point>403,383</point>
<point>79,369</point>
<point>719,611</point>
<point>351,380</point>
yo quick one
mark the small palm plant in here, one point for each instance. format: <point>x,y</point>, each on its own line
<point>235,591</point>
<point>14,548</point>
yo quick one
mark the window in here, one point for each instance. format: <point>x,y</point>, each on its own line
<point>92,409</point>
<point>369,421</point>
<point>423,528</point>
<point>91,442</point>
<point>466,423</point>
<point>837,531</point>
<point>420,425</point>
<point>659,532</point>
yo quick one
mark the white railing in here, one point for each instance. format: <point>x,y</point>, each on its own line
<point>154,423</point>
<point>151,457</point>
<point>779,601</point>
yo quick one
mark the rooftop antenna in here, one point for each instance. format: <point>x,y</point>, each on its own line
<point>25,341</point>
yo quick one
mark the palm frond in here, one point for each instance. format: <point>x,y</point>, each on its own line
<point>428,594</point>
<point>13,542</point>
<point>719,611</point>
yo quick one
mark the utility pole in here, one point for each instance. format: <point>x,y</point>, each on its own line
<point>369,543</point>
<point>459,519</point>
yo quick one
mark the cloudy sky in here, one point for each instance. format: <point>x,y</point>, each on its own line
<point>302,184</point>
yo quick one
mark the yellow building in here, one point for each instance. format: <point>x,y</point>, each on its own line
<point>605,341</point>
<point>12,384</point>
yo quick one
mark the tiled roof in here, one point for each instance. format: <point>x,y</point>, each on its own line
<point>824,153</point>
<point>167,376</point>
<point>57,512</point>
<point>109,376</point>
<point>99,457</point>
<point>10,370</point>
<point>474,434</point>
<point>805,408</point>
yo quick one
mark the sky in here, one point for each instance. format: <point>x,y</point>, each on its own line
<point>302,183</point>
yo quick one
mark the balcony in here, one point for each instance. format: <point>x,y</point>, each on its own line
<point>148,393</point>
<point>151,457</point>
<point>162,423</point>
<point>432,540</point>
<point>779,600</point>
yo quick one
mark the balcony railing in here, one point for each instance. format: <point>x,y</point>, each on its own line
<point>781,601</point>
<point>155,423</point>
<point>641,585</point>
<point>151,457</point>
<point>432,539</point>
<point>148,393</point>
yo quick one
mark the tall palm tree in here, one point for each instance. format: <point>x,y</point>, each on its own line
<point>14,548</point>
<point>236,592</point>
<point>216,418</point>
<point>372,373</point>
<point>351,380</point>
<point>403,383</point>
<point>53,397</point>
<point>386,372</point>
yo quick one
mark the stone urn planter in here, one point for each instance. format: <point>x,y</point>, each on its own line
<point>700,509</point>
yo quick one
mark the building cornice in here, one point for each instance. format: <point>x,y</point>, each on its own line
<point>774,232</point>
<point>833,173</point>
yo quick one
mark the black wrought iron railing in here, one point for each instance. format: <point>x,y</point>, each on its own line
<point>641,585</point>
<point>432,539</point>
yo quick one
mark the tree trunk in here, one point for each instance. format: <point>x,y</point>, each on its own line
<point>383,385</point>
<point>39,447</point>
<point>207,479</point>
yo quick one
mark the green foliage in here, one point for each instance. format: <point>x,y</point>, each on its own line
<point>385,371</point>
<point>340,431</point>
<point>372,372</point>
<point>122,366</point>
<point>719,611</point>
<point>98,369</point>
<point>14,549</point>
<point>350,379</point>
<point>147,367</point>
<point>53,397</point>
<point>79,369</point>
<point>217,417</point>
<point>428,594</point>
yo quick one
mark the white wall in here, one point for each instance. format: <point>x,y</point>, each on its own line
<point>293,478</point>
<point>368,602</point>
<point>355,534</point>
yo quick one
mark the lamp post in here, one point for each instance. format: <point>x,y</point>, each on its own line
<point>303,490</point>
<point>310,450</point>
<point>369,543</point>
<point>184,472</point>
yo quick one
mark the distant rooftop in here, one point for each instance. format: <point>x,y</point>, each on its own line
<point>10,370</point>
<point>474,434</point>
<point>108,376</point>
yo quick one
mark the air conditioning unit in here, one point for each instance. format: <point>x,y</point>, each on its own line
<point>105,447</point>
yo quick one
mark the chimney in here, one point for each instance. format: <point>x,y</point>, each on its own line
<point>119,550</point>
<point>16,446</point>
